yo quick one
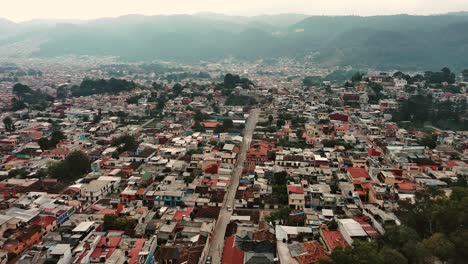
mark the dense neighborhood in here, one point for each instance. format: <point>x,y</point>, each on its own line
<point>231,162</point>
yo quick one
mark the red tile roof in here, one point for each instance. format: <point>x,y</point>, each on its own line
<point>231,253</point>
<point>110,246</point>
<point>358,173</point>
<point>333,238</point>
<point>296,189</point>
<point>315,252</point>
<point>45,221</point>
<point>179,215</point>
<point>134,253</point>
<point>211,124</point>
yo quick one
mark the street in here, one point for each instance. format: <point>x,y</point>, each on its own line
<point>217,243</point>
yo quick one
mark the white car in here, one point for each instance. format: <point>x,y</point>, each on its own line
<point>229,208</point>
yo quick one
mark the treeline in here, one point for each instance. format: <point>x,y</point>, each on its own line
<point>75,165</point>
<point>240,100</point>
<point>433,230</point>
<point>27,97</point>
<point>420,110</point>
<point>176,77</point>
<point>101,86</point>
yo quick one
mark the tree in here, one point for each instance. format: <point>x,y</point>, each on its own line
<point>198,116</point>
<point>59,170</point>
<point>75,165</point>
<point>439,246</point>
<point>357,77</point>
<point>270,119</point>
<point>230,80</point>
<point>56,137</point>
<point>177,88</point>
<point>9,126</point>
<point>218,129</point>
<point>465,74</point>
<point>61,92</point>
<point>44,143</point>
<point>198,127</point>
<point>312,81</point>
<point>280,122</point>
<point>228,124</point>
<point>392,256</point>
<point>125,143</point>
<point>359,253</point>
<point>429,141</point>
<point>78,163</point>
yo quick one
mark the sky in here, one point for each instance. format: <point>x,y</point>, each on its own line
<point>24,10</point>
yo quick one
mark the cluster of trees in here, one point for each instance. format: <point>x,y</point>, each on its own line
<point>125,143</point>
<point>232,80</point>
<point>433,230</point>
<point>114,222</point>
<point>240,100</point>
<point>9,125</point>
<point>227,126</point>
<point>375,92</point>
<point>422,109</point>
<point>465,75</point>
<point>74,166</point>
<point>331,143</point>
<point>312,81</point>
<point>156,67</point>
<point>279,181</point>
<point>91,87</point>
<point>134,99</point>
<point>176,77</point>
<point>444,75</point>
<point>46,143</point>
<point>36,100</point>
<point>429,141</point>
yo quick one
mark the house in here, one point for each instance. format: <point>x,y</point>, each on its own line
<point>357,174</point>
<point>332,239</point>
<point>351,230</point>
<point>95,190</point>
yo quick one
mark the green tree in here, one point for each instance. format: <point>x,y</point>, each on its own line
<point>61,92</point>
<point>429,141</point>
<point>230,80</point>
<point>465,74</point>
<point>228,124</point>
<point>59,170</point>
<point>56,137</point>
<point>219,129</point>
<point>439,246</point>
<point>125,143</point>
<point>198,116</point>
<point>198,127</point>
<point>357,77</point>
<point>312,81</point>
<point>177,88</point>
<point>78,163</point>
<point>44,143</point>
<point>359,253</point>
<point>270,119</point>
<point>280,122</point>
<point>9,126</point>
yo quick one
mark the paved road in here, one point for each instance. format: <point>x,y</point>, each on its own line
<point>217,243</point>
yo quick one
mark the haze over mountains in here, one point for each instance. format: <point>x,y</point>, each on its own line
<point>382,42</point>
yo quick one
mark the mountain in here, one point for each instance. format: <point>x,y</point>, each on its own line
<point>382,42</point>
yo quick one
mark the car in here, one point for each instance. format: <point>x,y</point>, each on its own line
<point>229,208</point>
<point>208,260</point>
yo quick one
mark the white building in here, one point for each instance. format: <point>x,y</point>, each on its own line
<point>350,229</point>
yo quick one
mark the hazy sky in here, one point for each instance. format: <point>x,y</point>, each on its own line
<point>21,10</point>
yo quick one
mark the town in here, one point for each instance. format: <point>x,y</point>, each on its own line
<point>230,162</point>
